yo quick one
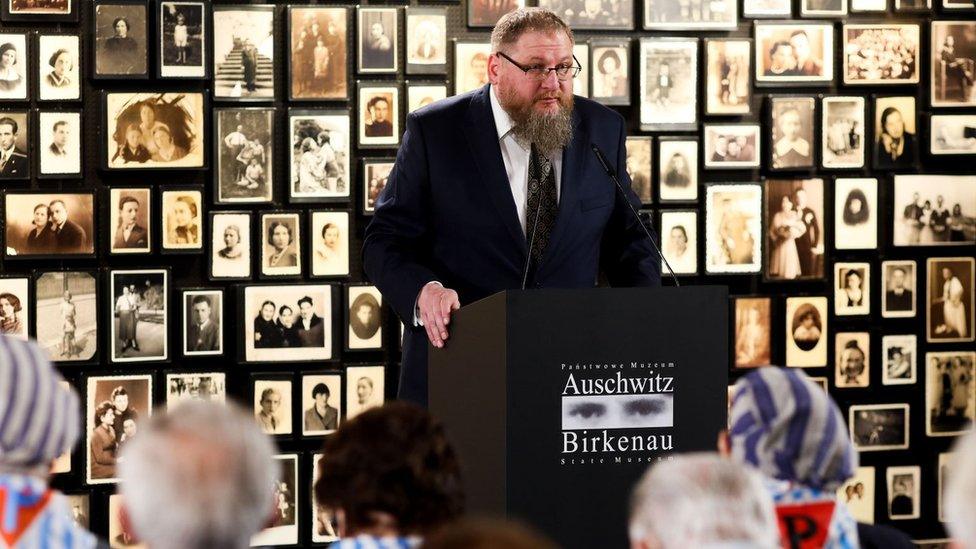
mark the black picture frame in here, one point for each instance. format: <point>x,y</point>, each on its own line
<point>295,170</point>
<point>41,149</point>
<point>40,65</point>
<point>365,208</point>
<point>395,89</point>
<point>248,239</point>
<point>612,46</point>
<point>9,14</point>
<point>36,277</point>
<point>206,22</point>
<point>662,165</point>
<point>94,45</point>
<point>760,50</point>
<point>313,235</point>
<point>109,315</point>
<point>26,60</point>
<point>340,401</point>
<point>348,302</point>
<point>221,321</point>
<point>27,321</point>
<point>113,206</point>
<point>19,170</point>
<point>770,159</point>
<point>219,141</point>
<point>410,48</point>
<point>202,228</point>
<point>297,241</point>
<point>58,194</point>
<point>362,13</point>
<point>332,350</point>
<point>348,35</point>
<point>279,377</point>
<point>224,77</point>
<point>708,86</point>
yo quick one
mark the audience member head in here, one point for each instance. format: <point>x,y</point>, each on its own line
<point>960,496</point>
<point>181,490</point>
<point>487,534</point>
<point>701,500</point>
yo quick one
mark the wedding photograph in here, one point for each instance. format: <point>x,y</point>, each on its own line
<point>795,229</point>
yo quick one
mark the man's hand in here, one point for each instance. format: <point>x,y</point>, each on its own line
<point>435,304</point>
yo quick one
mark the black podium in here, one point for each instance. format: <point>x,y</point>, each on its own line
<point>558,400</point>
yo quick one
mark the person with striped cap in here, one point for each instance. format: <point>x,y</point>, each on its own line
<point>39,421</point>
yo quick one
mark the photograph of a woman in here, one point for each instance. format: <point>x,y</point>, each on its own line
<point>181,221</point>
<point>13,79</point>
<point>950,299</point>
<point>806,331</point>
<point>895,143</point>
<point>230,245</point>
<point>40,237</point>
<point>10,317</point>
<point>785,227</point>
<point>282,249</point>
<point>102,445</point>
<point>852,289</point>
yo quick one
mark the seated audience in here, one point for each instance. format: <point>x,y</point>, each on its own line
<point>701,500</point>
<point>391,477</point>
<point>198,477</point>
<point>960,495</point>
<point>39,421</point>
<point>487,534</point>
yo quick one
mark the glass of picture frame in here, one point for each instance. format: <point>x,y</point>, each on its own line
<point>895,133</point>
<point>791,127</point>
<point>823,8</point>
<point>365,318</point>
<point>120,34</point>
<point>317,61</point>
<point>795,236</point>
<point>186,386</point>
<point>230,245</point>
<point>15,299</point>
<point>731,146</point>
<point>843,137</point>
<point>183,34</point>
<point>272,396</point>
<point>378,50</point>
<point>856,213</point>
<point>733,228</point>
<point>115,406</point>
<point>378,117</point>
<point>59,67</point>
<point>426,40</point>
<point>679,236</point>
<point>793,53</point>
<point>931,210</point>
<point>203,321</point>
<point>321,402</point>
<point>320,154</point>
<point>753,331</point>
<point>244,61</point>
<point>952,134</point>
<point>610,74</point>
<point>951,74</point>
<point>470,65</point>
<point>131,213</point>
<point>755,9</point>
<point>668,83</point>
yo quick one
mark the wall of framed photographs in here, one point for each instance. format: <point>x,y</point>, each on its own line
<point>186,186</point>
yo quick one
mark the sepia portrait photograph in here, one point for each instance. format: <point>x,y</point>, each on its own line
<point>182,219</point>
<point>823,8</point>
<point>41,10</point>
<point>244,154</point>
<point>806,332</point>
<point>59,144</point>
<point>842,132</point>
<point>426,40</point>
<point>731,146</point>
<point>243,52</point>
<point>898,282</point>
<point>904,492</point>
<point>58,67</point>
<point>317,62</point>
<point>378,48</point>
<point>668,83</point>
<point>727,84</point>
<point>895,133</point>
<point>952,134</point>
<point>325,526</point>
<point>470,65</point>
<point>679,234</point>
<point>589,14</point>
<point>287,323</point>
<point>154,130</point>
<point>379,115</point>
<point>677,169</point>
<point>855,213</point>
<point>365,317</point>
<point>900,353</point>
<point>272,405</point>
<point>852,288</point>
<point>130,225</point>
<point>329,238</point>
<point>208,386</point>
<point>79,505</point>
<point>886,53</point>
<point>320,152</point>
<point>690,15</point>
<point>203,316</point>
<point>611,72</point>
<point>15,133</point>
<point>281,249</point>
<point>791,126</point>
<point>949,299</point>
<point>321,403</point>
<point>116,406</point>
<point>121,39</point>
<point>638,165</point>
<point>60,224</point>
<point>753,331</point>
<point>934,210</point>
<point>952,57</point>
<point>183,38</point>
<point>283,526</point>
<point>421,95</point>
<point>950,400</point>
<point>139,301</point>
<point>852,359</point>
<point>14,310</point>
<point>794,53</point>
<point>877,427</point>
<point>733,228</point>
<point>66,314</point>
<point>14,69</point>
<point>365,389</point>
<point>766,8</point>
<point>376,172</point>
<point>230,245</point>
<point>857,493</point>
<point>795,229</point>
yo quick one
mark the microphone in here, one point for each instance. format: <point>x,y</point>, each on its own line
<point>612,174</point>
<point>535,222</point>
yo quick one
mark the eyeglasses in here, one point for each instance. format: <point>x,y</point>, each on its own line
<point>540,73</point>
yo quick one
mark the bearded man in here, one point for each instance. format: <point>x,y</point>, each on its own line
<point>491,182</point>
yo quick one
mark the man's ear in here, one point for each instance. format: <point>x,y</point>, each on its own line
<point>494,65</point>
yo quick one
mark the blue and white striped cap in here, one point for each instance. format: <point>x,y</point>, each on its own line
<point>39,418</point>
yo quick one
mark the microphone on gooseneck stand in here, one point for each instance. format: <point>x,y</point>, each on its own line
<point>535,220</point>
<point>612,174</point>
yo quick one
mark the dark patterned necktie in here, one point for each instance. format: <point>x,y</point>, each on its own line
<point>541,199</point>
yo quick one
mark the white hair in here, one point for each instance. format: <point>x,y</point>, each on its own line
<point>702,500</point>
<point>960,493</point>
<point>200,476</point>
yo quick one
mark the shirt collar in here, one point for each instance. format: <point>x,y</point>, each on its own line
<point>503,122</point>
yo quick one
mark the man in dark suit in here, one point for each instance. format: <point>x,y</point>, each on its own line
<point>203,334</point>
<point>450,226</point>
<point>898,298</point>
<point>807,245</point>
<point>13,161</point>
<point>69,237</point>
<point>321,416</point>
<point>311,330</point>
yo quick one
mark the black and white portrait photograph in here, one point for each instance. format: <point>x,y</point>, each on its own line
<point>753,331</point>
<point>329,243</point>
<point>49,224</point>
<point>731,146</point>
<point>140,306</point>
<point>806,331</point>
<point>677,169</point>
<point>877,427</point>
<point>121,39</point>
<point>183,38</point>
<point>934,210</point>
<point>365,388</point>
<point>887,53</point>
<point>898,282</point>
<point>842,132</point>
<point>590,14</point>
<point>272,405</point>
<point>679,235</point>
<point>208,386</point>
<point>852,359</point>
<point>66,315</point>
<point>421,95</point>
<point>182,219</point>
<point>690,15</point>
<point>766,8</point>
<point>470,65</point>
<point>378,121</point>
<point>243,52</point>
<point>794,53</point>
<point>895,133</point>
<point>130,220</point>
<point>281,246</point>
<point>950,400</point>
<point>244,148</point>
<point>610,72</point>
<point>318,64</point>
<point>733,228</point>
<point>15,132</point>
<point>949,299</point>
<point>792,145</point>
<point>852,288</point>
<point>952,134</point>
<point>287,323</point>
<point>426,40</point>
<point>857,493</point>
<point>14,71</point>
<point>365,318</point>
<point>321,403</point>
<point>378,48</point>
<point>952,57</point>
<point>59,144</point>
<point>904,492</point>
<point>58,67</point>
<point>823,8</point>
<point>203,317</point>
<point>325,526</point>
<point>376,172</point>
<point>283,527</point>
<point>900,355</point>
<point>154,130</point>
<point>795,229</point>
<point>668,82</point>
<point>855,213</point>
<point>230,245</point>
<point>78,504</point>
<point>116,406</point>
<point>14,310</point>
<point>727,84</point>
<point>320,149</point>
<point>638,165</point>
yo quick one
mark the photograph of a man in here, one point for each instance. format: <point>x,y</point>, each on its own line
<point>13,159</point>
<point>321,416</point>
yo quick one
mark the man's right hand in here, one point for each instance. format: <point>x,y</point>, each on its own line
<point>435,305</point>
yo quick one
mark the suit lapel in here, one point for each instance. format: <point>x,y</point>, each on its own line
<point>569,185</point>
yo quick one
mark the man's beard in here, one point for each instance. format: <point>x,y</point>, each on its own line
<point>549,132</point>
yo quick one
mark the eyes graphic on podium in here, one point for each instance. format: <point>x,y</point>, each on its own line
<point>617,411</point>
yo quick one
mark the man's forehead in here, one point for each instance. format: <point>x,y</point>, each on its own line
<point>538,45</point>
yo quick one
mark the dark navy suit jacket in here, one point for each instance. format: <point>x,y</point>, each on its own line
<point>447,214</point>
